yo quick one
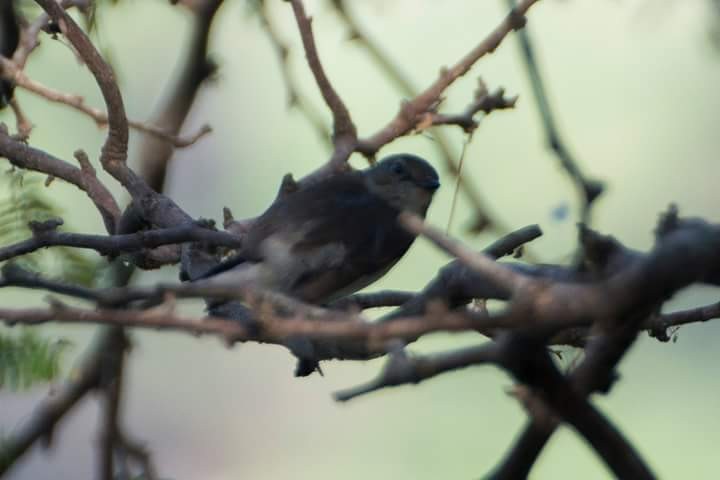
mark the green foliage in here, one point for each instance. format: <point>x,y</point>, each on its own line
<point>27,358</point>
<point>24,201</point>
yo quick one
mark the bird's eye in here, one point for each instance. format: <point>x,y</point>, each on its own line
<point>398,169</point>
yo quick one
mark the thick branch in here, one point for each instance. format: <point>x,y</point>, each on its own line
<point>529,362</point>
<point>114,151</point>
<point>194,69</point>
<point>275,328</point>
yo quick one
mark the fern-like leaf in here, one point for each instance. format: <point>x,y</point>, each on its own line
<point>28,358</point>
<point>25,201</point>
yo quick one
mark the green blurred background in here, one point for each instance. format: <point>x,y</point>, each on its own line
<point>635,88</point>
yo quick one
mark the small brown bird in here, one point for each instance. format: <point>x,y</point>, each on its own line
<point>334,237</point>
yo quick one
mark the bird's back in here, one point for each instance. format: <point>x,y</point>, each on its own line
<point>329,239</point>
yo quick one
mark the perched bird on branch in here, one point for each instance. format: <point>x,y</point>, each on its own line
<point>335,236</point>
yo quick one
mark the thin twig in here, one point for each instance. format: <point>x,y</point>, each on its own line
<point>501,276</point>
<point>44,237</point>
<point>363,301</point>
<point>411,112</point>
<point>295,97</point>
<point>12,72</point>
<point>589,188</point>
<point>343,126</point>
<point>402,368</point>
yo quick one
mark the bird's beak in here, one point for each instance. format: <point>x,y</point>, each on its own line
<point>430,184</point>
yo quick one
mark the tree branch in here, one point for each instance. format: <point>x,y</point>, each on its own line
<point>411,112</point>
<point>363,301</point>
<point>343,127</point>
<point>658,325</point>
<point>12,72</point>
<point>45,235</point>
<point>295,98</point>
<point>370,339</point>
<point>114,151</point>
<point>48,413</point>
<point>589,189</point>
<point>401,368</point>
<point>483,102</point>
<point>483,218</point>
<point>194,69</point>
<point>85,178</point>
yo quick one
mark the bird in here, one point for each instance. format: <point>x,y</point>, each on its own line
<point>335,236</point>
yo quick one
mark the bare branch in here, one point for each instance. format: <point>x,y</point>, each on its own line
<point>483,102</point>
<point>527,359</point>
<point>369,338</point>
<point>114,152</point>
<point>86,376</point>
<point>295,98</point>
<point>363,301</point>
<point>483,218</point>
<point>411,112</point>
<point>46,235</point>
<point>194,70</point>
<point>12,72</point>
<point>448,282</point>
<point>113,362</point>
<point>659,324</point>
<point>501,276</point>
<point>401,368</point>
<point>29,35</point>
<point>589,188</point>
<point>29,158</point>
<point>343,127</point>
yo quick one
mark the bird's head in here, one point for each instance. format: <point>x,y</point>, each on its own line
<point>404,181</point>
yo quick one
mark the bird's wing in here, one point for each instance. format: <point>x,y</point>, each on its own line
<point>289,218</point>
<point>350,239</point>
<point>329,239</point>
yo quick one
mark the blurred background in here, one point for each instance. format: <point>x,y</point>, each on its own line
<point>634,86</point>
